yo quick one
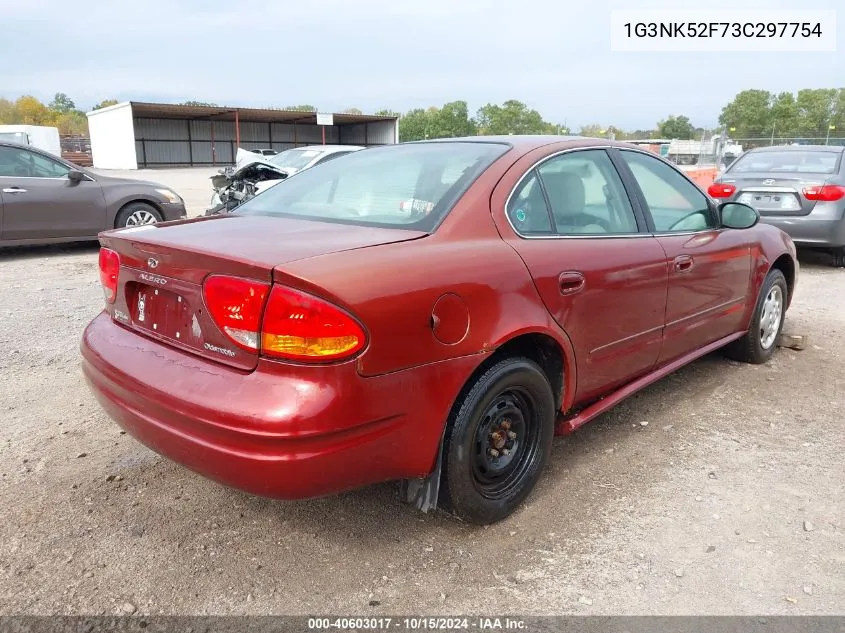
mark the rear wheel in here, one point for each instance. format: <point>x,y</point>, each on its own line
<point>137,214</point>
<point>759,343</point>
<point>839,257</point>
<point>498,441</point>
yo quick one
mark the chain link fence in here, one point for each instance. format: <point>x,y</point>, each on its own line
<point>768,141</point>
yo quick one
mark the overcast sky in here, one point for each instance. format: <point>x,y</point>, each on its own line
<point>553,54</point>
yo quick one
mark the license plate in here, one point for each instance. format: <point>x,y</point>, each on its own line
<point>782,201</point>
<point>162,312</point>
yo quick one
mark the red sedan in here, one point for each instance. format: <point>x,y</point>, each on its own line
<point>428,312</point>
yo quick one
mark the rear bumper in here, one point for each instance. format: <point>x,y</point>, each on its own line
<point>281,431</point>
<point>824,227</point>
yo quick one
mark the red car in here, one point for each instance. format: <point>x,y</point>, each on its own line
<point>429,312</point>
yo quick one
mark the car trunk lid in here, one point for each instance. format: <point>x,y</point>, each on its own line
<point>162,270</point>
<point>775,194</point>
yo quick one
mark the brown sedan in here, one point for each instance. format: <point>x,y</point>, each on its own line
<point>44,199</point>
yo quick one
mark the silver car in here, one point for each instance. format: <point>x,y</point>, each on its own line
<point>798,188</point>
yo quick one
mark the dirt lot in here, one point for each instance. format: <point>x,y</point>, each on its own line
<point>717,491</point>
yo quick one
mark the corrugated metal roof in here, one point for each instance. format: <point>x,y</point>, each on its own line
<point>227,113</point>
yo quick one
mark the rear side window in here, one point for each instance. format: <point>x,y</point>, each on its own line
<point>527,208</point>
<point>788,161</point>
<point>587,195</point>
<point>411,186</point>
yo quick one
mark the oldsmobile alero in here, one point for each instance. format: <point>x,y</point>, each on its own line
<point>428,312</point>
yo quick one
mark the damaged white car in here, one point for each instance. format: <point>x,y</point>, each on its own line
<point>254,173</point>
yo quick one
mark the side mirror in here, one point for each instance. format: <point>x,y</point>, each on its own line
<point>75,176</point>
<point>737,215</point>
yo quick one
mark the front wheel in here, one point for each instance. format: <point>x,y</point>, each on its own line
<point>839,257</point>
<point>136,214</point>
<point>499,441</point>
<point>760,341</point>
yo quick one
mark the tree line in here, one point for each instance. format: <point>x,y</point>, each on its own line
<point>809,113</point>
<point>750,114</point>
<point>61,112</point>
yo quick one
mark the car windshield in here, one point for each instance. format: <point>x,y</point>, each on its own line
<point>296,158</point>
<point>410,185</point>
<point>788,161</point>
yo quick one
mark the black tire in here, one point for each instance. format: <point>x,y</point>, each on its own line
<point>752,348</point>
<point>838,257</point>
<point>135,209</point>
<point>513,395</point>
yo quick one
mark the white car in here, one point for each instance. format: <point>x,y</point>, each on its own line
<point>254,173</point>
<point>292,160</point>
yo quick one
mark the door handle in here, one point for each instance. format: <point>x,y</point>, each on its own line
<point>683,263</point>
<point>14,190</point>
<point>571,282</point>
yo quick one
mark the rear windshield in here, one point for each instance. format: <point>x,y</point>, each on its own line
<point>409,186</point>
<point>794,161</point>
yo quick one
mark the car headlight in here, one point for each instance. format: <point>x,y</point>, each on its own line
<point>171,197</point>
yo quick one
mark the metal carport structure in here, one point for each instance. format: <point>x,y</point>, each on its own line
<point>134,135</point>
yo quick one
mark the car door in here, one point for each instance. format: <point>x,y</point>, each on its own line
<point>709,267</point>
<point>41,202</point>
<point>599,272</point>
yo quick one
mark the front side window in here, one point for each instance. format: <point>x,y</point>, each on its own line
<point>412,185</point>
<point>675,204</point>
<point>21,163</point>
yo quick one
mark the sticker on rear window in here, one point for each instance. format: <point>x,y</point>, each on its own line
<point>415,207</point>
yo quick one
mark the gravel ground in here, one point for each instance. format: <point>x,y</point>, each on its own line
<point>716,491</point>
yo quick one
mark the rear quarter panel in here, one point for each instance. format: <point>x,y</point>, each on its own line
<point>393,290</point>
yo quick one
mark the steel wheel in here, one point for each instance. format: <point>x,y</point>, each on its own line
<point>498,440</point>
<point>140,217</point>
<point>505,443</point>
<point>771,317</point>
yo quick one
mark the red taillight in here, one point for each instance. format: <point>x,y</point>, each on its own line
<point>299,326</point>
<point>236,304</point>
<point>721,190</point>
<point>825,193</point>
<point>109,271</point>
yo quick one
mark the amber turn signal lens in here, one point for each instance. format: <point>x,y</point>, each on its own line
<point>299,326</point>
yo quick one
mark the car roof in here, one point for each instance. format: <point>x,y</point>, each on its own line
<point>799,148</point>
<point>528,142</point>
<point>329,148</point>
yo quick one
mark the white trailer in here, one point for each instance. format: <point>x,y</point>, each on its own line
<point>40,136</point>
